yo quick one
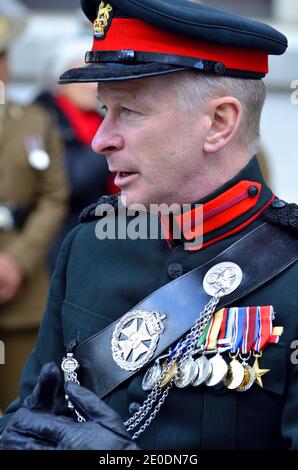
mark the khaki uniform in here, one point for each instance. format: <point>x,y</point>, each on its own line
<point>42,193</point>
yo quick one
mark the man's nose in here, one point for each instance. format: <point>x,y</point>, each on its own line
<point>107,138</point>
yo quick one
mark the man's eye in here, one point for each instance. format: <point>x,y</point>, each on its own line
<point>128,112</point>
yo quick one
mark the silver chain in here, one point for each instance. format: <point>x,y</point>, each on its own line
<point>198,327</point>
<point>154,413</point>
<point>73,377</point>
<point>188,345</point>
<point>80,418</point>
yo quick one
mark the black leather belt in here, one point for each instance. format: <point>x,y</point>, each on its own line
<point>262,255</point>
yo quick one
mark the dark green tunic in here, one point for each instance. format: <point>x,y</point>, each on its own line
<point>96,282</point>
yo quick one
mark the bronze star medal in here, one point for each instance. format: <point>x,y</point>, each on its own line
<point>259,372</point>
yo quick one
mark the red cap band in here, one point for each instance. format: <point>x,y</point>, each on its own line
<point>127,33</point>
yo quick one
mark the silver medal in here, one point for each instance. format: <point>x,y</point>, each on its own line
<point>204,371</point>
<point>135,338</point>
<point>222,279</point>
<point>188,370</point>
<point>151,377</point>
<point>219,370</point>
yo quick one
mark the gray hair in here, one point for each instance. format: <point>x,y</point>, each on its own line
<point>195,89</point>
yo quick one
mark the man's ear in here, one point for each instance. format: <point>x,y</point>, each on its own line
<point>224,120</point>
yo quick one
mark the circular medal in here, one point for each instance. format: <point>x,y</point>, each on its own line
<point>188,371</point>
<point>204,371</point>
<point>39,159</point>
<point>151,377</point>
<point>248,380</point>
<point>219,371</point>
<point>222,279</point>
<point>169,375</point>
<point>235,375</point>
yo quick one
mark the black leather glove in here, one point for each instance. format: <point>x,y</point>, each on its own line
<point>35,426</point>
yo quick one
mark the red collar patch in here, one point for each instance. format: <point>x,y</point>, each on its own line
<point>205,218</point>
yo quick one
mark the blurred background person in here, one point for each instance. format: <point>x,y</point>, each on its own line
<point>33,198</point>
<point>75,109</point>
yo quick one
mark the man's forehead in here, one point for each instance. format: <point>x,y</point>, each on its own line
<point>115,87</point>
<point>115,92</point>
<point>130,88</point>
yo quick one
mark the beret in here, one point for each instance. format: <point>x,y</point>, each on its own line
<point>140,38</point>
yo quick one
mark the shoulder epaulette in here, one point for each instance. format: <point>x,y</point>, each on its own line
<point>89,213</point>
<point>281,213</point>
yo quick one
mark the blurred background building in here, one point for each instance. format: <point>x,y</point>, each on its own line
<point>53,20</point>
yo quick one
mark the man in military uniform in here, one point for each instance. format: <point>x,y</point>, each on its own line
<point>32,205</point>
<point>204,359</point>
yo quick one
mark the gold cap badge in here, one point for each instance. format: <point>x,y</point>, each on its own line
<point>103,20</point>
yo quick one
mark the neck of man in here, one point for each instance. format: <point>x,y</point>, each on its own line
<point>216,169</point>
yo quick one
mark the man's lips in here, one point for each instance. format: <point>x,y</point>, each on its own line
<point>125,177</point>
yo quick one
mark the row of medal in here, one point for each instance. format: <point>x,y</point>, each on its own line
<point>242,331</point>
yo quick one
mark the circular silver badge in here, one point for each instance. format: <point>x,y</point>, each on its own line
<point>135,338</point>
<point>222,279</point>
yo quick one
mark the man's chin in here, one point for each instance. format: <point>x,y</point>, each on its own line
<point>129,200</point>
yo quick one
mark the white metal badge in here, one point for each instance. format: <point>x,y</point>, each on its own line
<point>135,338</point>
<point>222,279</point>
